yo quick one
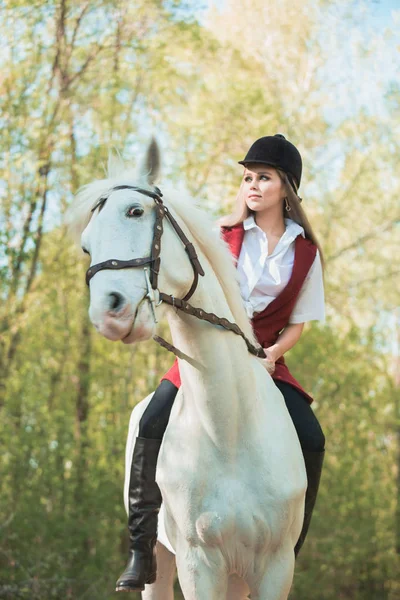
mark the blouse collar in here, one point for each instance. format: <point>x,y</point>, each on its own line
<point>292,230</point>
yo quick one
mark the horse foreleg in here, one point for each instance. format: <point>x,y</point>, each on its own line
<point>163,588</point>
<point>275,577</point>
<point>200,577</point>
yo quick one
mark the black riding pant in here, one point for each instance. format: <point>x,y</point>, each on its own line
<point>155,418</point>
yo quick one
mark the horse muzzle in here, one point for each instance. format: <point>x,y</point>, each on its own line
<point>143,325</point>
<point>117,320</point>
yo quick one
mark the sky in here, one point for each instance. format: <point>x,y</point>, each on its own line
<point>370,75</point>
<point>357,80</point>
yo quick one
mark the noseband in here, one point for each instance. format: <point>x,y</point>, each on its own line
<point>154,260</point>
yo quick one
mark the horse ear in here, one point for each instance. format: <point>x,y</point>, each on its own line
<point>152,162</point>
<point>115,164</point>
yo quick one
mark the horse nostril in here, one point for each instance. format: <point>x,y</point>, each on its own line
<point>116,301</point>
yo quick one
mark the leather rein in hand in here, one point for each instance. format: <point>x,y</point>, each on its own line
<point>152,262</point>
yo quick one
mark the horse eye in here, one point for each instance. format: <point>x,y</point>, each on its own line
<point>86,251</point>
<point>134,211</point>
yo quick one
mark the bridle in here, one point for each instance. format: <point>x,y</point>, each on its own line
<point>152,264</point>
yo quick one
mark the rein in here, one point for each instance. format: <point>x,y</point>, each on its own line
<point>154,296</point>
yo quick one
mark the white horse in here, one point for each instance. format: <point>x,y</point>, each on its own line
<point>230,467</point>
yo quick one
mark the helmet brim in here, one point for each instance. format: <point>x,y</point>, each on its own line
<point>257,162</point>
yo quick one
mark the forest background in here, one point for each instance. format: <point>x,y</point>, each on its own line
<point>78,78</point>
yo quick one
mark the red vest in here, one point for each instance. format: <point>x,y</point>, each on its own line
<point>269,323</point>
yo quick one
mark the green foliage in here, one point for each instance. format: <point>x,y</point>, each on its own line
<point>79,78</point>
<point>353,529</point>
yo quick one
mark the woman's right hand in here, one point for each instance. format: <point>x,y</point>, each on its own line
<point>269,362</point>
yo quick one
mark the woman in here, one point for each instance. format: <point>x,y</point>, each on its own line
<point>280,277</point>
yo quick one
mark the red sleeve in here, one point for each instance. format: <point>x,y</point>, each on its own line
<point>173,374</point>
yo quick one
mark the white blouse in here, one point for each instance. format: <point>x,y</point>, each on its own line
<point>262,277</point>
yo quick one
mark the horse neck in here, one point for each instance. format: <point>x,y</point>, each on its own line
<point>215,397</point>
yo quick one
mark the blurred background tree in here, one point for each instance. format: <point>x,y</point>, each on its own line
<point>79,78</point>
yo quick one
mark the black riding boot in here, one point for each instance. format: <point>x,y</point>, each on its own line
<point>144,506</point>
<point>313,462</point>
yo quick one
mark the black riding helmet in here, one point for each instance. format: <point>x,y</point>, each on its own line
<point>276,151</point>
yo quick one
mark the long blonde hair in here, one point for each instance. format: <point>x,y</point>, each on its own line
<point>296,212</point>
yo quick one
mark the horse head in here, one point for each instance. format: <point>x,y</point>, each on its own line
<point>124,220</point>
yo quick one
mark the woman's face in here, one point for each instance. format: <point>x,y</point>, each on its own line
<point>262,187</point>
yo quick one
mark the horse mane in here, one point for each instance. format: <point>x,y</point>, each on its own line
<point>202,230</point>
<point>206,237</point>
